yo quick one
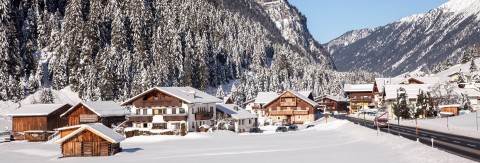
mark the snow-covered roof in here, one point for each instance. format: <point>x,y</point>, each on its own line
<point>305,93</point>
<point>102,108</point>
<point>182,93</point>
<point>306,99</point>
<point>36,109</point>
<point>449,106</point>
<point>412,90</point>
<point>238,113</point>
<point>96,128</point>
<point>358,87</point>
<point>381,82</point>
<point>265,97</point>
<point>249,101</point>
<point>335,98</point>
<point>472,93</point>
<point>429,80</point>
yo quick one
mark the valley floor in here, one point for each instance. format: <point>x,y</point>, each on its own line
<point>336,141</point>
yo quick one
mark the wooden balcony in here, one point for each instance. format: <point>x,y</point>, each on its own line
<point>327,103</point>
<point>300,112</point>
<point>173,117</point>
<point>156,103</point>
<point>290,112</point>
<point>203,116</point>
<point>140,118</point>
<point>277,113</point>
<point>288,103</point>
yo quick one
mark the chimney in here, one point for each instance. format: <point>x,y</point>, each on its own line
<point>191,94</point>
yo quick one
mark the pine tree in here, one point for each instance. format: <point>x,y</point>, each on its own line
<point>220,93</point>
<point>473,66</point>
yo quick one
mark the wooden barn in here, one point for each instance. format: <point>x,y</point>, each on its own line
<point>449,109</point>
<point>37,122</point>
<point>106,112</point>
<point>94,139</point>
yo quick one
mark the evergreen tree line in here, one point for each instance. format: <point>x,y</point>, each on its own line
<point>113,49</point>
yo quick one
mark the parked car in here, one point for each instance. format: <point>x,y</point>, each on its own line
<point>381,122</point>
<point>293,128</point>
<point>256,130</point>
<point>308,126</point>
<point>281,129</point>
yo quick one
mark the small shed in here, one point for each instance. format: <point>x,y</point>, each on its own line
<point>93,139</point>
<point>37,122</point>
<point>450,108</point>
<point>106,112</point>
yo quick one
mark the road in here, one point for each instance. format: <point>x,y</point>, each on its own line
<point>466,147</point>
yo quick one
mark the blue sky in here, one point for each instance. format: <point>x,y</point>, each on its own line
<point>328,19</point>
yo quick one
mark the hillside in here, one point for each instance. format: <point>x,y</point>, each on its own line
<point>416,42</point>
<point>111,50</point>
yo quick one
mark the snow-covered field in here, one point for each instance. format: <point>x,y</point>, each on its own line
<point>464,125</point>
<point>459,125</point>
<point>337,141</point>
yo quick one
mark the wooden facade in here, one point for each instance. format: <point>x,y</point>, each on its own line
<point>87,143</point>
<point>332,105</point>
<point>290,109</point>
<point>156,99</point>
<point>40,124</point>
<point>452,109</point>
<point>361,99</point>
<point>82,115</point>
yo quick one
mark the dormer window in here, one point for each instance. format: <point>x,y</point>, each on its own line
<point>155,97</point>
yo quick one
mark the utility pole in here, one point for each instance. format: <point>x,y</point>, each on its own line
<point>476,117</point>
<point>416,128</point>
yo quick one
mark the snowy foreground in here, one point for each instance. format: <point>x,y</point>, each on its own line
<point>337,141</point>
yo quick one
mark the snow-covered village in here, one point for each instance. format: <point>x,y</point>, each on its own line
<point>239,81</point>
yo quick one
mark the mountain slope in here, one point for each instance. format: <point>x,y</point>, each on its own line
<point>417,41</point>
<point>111,49</point>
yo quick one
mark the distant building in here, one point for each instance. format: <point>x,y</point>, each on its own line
<point>108,113</point>
<point>37,121</point>
<point>360,96</point>
<point>255,106</point>
<point>291,107</point>
<point>332,104</point>
<point>244,120</point>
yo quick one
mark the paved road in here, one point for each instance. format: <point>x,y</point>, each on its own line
<point>466,147</point>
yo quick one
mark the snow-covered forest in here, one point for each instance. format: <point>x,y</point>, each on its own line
<point>113,49</point>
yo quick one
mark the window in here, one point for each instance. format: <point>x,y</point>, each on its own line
<point>288,99</point>
<point>138,125</point>
<point>249,121</point>
<point>211,109</point>
<point>145,125</point>
<point>278,118</point>
<point>144,111</point>
<point>155,111</point>
<point>299,117</point>
<point>159,126</point>
<point>174,111</point>
<point>193,124</point>
<point>155,98</point>
<point>181,110</point>
<point>137,111</point>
